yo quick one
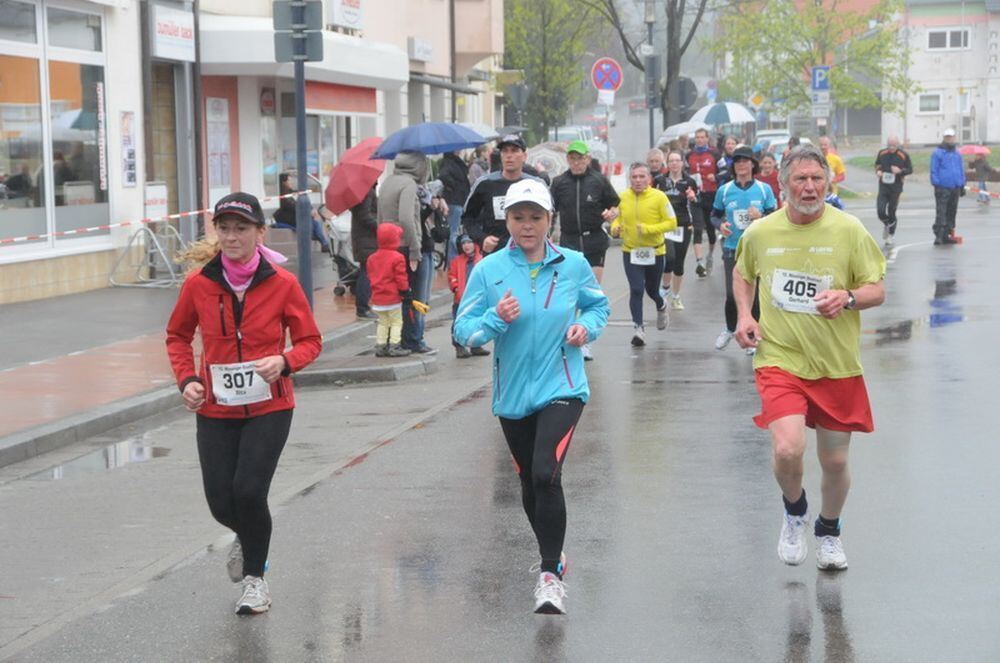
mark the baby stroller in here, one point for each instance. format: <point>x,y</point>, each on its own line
<point>339,231</point>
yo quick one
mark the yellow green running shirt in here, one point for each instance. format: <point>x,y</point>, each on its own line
<point>794,263</point>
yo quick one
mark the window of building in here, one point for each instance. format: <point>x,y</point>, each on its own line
<point>964,99</point>
<point>930,103</point>
<point>22,183</point>
<point>17,21</point>
<point>950,39</point>
<point>69,29</point>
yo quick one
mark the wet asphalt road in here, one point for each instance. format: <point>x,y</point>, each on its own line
<point>419,550</point>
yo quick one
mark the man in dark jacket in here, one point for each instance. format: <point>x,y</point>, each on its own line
<point>891,165</point>
<point>484,218</point>
<point>364,228</point>
<point>454,176</point>
<point>948,178</point>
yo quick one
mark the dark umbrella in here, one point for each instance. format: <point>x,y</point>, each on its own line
<point>428,138</point>
<point>353,176</point>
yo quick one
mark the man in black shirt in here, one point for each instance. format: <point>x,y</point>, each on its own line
<point>891,165</point>
<point>484,218</point>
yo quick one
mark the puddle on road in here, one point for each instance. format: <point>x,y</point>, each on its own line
<point>944,312</point>
<point>119,454</point>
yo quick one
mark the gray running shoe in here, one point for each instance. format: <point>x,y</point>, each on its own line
<point>396,350</point>
<point>709,260</point>
<point>256,597</point>
<point>234,563</point>
<point>638,336</point>
<point>662,317</point>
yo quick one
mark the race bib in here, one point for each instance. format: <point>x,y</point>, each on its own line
<point>794,291</point>
<point>888,178</point>
<point>675,235</point>
<point>697,179</point>
<point>498,212</point>
<point>238,384</point>
<point>643,256</point>
<point>741,218</point>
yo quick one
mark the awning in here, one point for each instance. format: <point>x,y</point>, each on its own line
<point>244,46</point>
<point>442,83</point>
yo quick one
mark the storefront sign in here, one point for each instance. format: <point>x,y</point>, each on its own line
<point>128,148</point>
<point>156,200</point>
<point>173,33</point>
<point>267,101</point>
<point>102,155</point>
<point>217,125</point>
<point>419,49</point>
<point>346,13</point>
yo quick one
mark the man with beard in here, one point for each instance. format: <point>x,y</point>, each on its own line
<point>818,267</point>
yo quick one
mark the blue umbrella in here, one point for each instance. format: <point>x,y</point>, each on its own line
<point>428,138</point>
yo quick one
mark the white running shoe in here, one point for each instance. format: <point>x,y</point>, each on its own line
<point>563,566</point>
<point>662,316</point>
<point>676,303</point>
<point>234,563</point>
<point>709,261</point>
<point>256,597</point>
<point>889,241</point>
<point>723,339</point>
<point>830,553</point>
<point>549,594</point>
<point>638,336</point>
<point>792,548</point>
<point>885,232</point>
<point>587,354</point>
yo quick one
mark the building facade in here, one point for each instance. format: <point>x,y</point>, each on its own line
<point>955,61</point>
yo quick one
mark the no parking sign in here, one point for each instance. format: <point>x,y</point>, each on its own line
<point>606,74</point>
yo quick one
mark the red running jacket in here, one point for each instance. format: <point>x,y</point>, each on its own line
<point>273,305</point>
<point>387,267</point>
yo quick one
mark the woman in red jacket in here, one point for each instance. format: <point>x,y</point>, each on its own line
<point>244,306</point>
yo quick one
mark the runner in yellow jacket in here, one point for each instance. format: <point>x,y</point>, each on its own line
<point>645,216</point>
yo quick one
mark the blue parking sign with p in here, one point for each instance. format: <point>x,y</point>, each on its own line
<point>821,78</point>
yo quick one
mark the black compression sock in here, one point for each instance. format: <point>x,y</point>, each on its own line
<point>799,508</point>
<point>552,566</point>
<point>826,527</point>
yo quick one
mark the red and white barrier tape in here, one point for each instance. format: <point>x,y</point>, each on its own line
<point>976,189</point>
<point>123,224</point>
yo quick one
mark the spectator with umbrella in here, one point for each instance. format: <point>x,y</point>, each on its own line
<point>981,168</point>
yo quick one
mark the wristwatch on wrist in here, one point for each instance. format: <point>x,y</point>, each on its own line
<point>851,301</point>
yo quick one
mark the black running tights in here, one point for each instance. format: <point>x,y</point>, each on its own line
<point>728,262</point>
<point>238,458</point>
<point>538,444</point>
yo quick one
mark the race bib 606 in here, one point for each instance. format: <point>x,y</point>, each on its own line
<point>644,255</point>
<point>238,384</point>
<point>794,291</point>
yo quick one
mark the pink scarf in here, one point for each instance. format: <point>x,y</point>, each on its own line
<point>239,275</point>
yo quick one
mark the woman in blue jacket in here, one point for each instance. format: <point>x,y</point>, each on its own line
<point>539,304</point>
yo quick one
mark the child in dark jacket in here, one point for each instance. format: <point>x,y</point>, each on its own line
<point>458,275</point>
<point>389,286</point>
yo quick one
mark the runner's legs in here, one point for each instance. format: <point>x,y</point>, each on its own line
<point>788,443</point>
<point>832,449</point>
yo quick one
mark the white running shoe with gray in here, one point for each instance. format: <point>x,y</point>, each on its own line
<point>723,339</point>
<point>234,563</point>
<point>792,548</point>
<point>830,554</point>
<point>256,597</point>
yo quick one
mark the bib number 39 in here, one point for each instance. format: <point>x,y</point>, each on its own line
<point>238,384</point>
<point>643,256</point>
<point>794,291</point>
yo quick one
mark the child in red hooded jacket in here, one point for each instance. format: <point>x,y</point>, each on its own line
<point>390,285</point>
<point>458,275</point>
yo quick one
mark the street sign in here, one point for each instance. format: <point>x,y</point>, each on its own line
<point>606,97</point>
<point>821,97</point>
<point>606,74</point>
<point>756,101</point>
<point>286,48</point>
<point>298,30</point>
<point>284,19</point>
<point>821,78</point>
<point>820,110</point>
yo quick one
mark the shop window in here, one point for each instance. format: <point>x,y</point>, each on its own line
<point>79,160</point>
<point>71,29</point>
<point>22,186</point>
<point>17,21</point>
<point>269,154</point>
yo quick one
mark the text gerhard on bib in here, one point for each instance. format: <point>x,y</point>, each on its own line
<point>643,255</point>
<point>794,291</point>
<point>238,384</point>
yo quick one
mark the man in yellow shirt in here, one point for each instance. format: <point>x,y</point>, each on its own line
<point>817,268</point>
<point>837,169</point>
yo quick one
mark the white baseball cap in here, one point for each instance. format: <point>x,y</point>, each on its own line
<point>949,132</point>
<point>528,191</point>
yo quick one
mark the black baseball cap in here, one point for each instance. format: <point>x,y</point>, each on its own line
<point>240,204</point>
<point>512,139</point>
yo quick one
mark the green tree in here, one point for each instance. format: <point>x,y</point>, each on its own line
<point>770,47</point>
<point>547,39</point>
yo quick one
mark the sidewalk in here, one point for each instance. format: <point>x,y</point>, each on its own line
<point>110,365</point>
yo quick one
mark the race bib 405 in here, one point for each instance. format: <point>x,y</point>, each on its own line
<point>794,291</point>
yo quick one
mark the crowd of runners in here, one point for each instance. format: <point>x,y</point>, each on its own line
<point>797,272</point>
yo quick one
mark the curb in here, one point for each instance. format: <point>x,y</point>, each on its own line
<point>75,428</point>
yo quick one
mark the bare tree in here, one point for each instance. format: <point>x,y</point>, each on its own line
<point>677,44</point>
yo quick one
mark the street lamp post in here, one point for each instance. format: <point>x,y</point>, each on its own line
<point>651,82</point>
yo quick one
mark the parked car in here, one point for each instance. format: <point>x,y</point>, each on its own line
<point>778,145</point>
<point>567,134</point>
<point>603,115</point>
<point>637,105</point>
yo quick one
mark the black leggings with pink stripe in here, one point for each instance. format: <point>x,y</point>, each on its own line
<point>539,443</point>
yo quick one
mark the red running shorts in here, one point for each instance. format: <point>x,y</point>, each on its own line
<point>839,404</point>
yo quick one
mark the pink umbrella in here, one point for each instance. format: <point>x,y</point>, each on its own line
<point>973,150</point>
<point>354,176</point>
